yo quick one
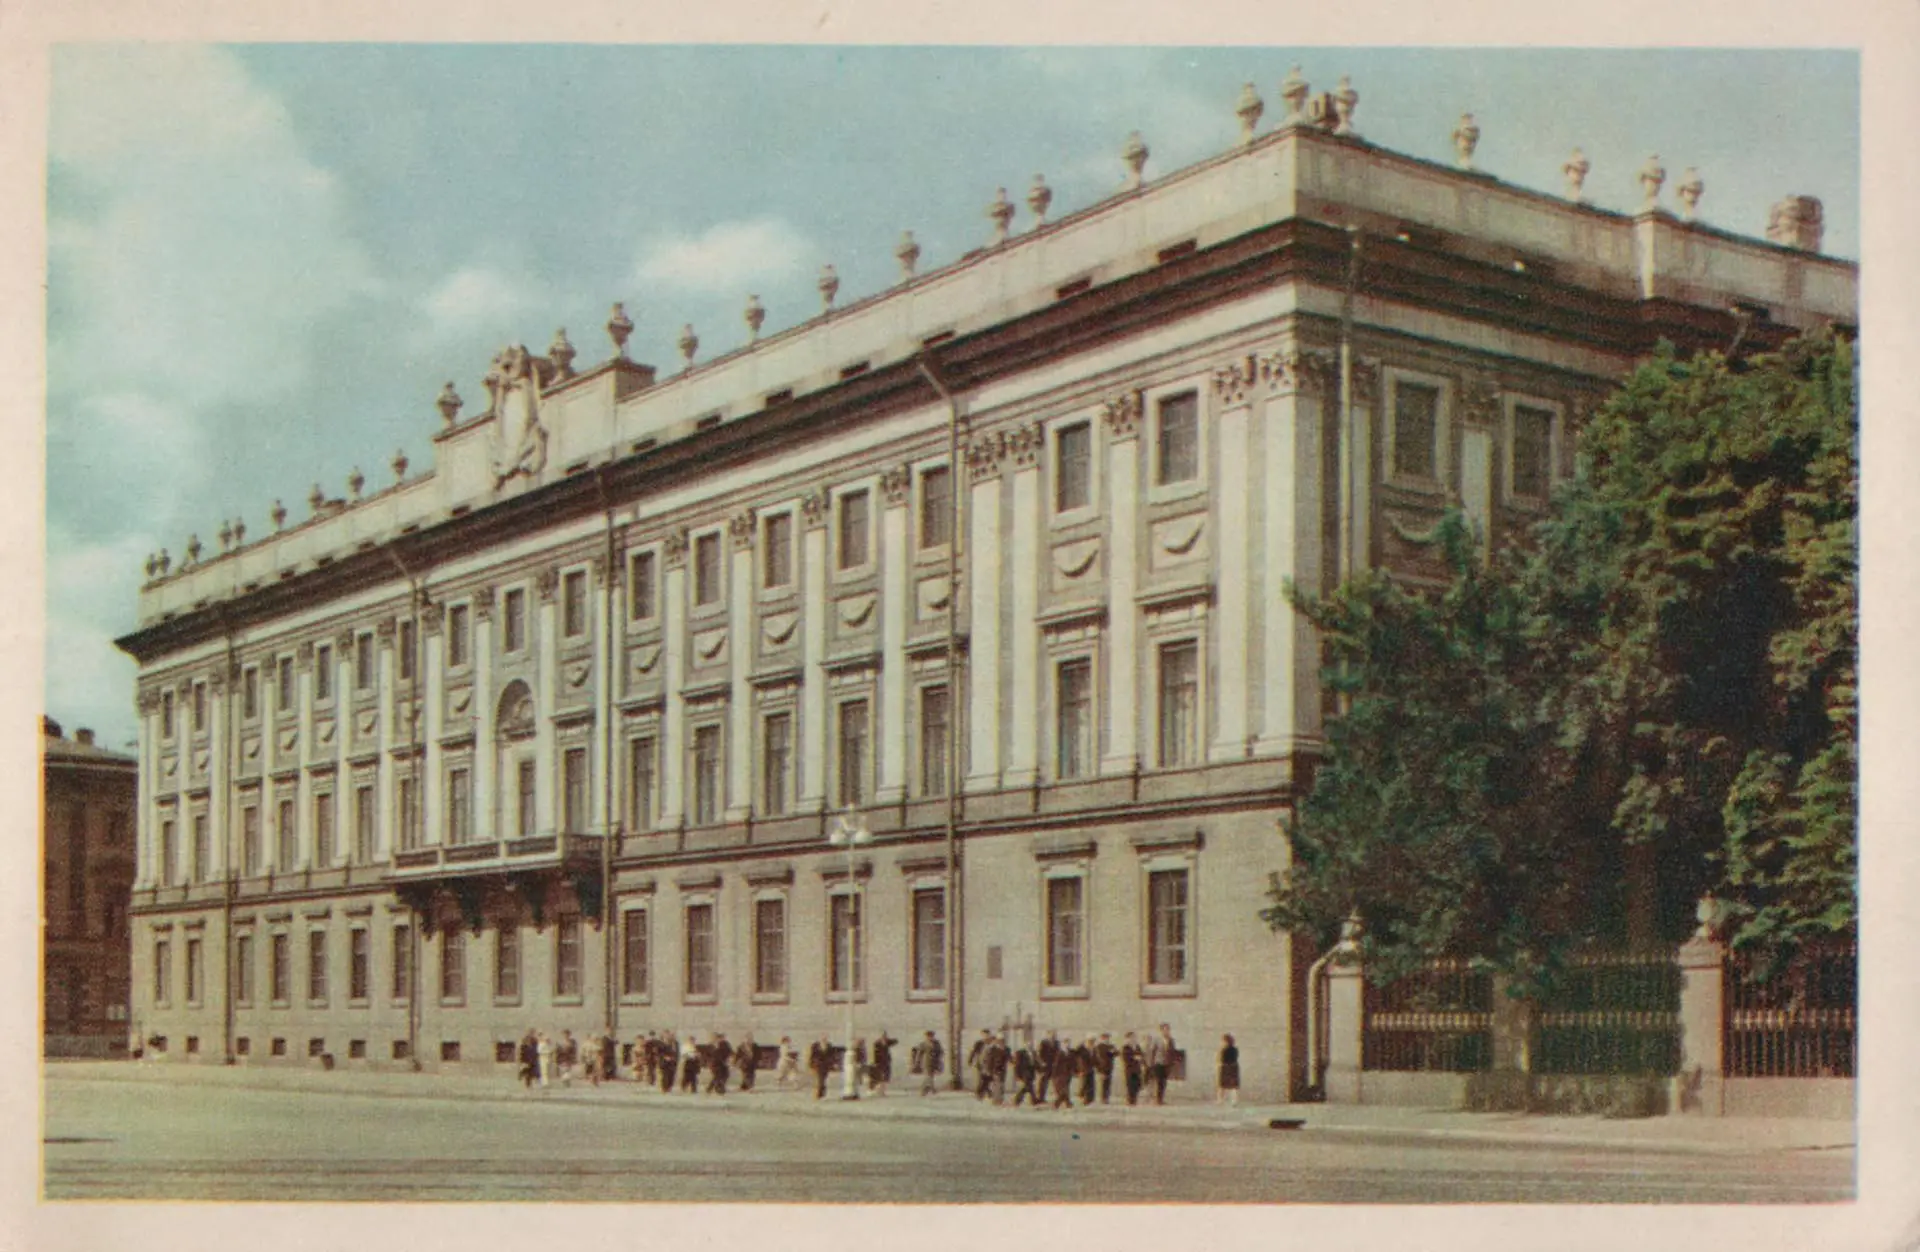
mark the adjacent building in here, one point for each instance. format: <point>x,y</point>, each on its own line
<point>564,729</point>
<point>87,846</point>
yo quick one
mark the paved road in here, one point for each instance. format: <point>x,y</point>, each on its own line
<point>109,1139</point>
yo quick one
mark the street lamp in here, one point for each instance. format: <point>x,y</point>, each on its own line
<point>848,833</point>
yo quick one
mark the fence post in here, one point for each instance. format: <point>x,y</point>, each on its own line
<point>1700,1087</point>
<point>1509,1080</point>
<point>1346,1028</point>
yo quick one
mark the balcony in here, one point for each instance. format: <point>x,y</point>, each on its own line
<point>552,851</point>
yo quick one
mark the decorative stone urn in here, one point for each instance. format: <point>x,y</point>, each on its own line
<point>1345,101</point>
<point>193,550</point>
<point>755,315</point>
<point>1248,110</point>
<point>1652,174</point>
<point>449,402</point>
<point>1039,196</point>
<point>1000,213</point>
<point>561,353</point>
<point>316,498</point>
<point>279,515</point>
<point>1576,173</point>
<point>829,286</point>
<point>1294,90</point>
<point>226,535</point>
<point>1689,190</point>
<point>1466,137</point>
<point>355,481</point>
<point>907,252</point>
<point>239,532</point>
<point>619,328</point>
<point>689,344</point>
<point>399,464</point>
<point>1135,156</point>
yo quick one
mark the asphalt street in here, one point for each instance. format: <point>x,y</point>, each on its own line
<point>108,1139</point>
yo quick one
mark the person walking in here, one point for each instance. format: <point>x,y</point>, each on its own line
<point>544,1049</point>
<point>927,1060</point>
<point>590,1058</point>
<point>1103,1054</point>
<point>646,1055</point>
<point>882,1071</point>
<point>748,1057</point>
<point>1227,1087</point>
<point>1133,1066</point>
<point>820,1061</point>
<point>999,1057</point>
<point>720,1063</point>
<point>529,1059</point>
<point>567,1053</point>
<point>977,1061</point>
<point>669,1061</point>
<point>690,1062</point>
<point>1044,1057</point>
<point>1160,1057</point>
<point>609,1057</point>
<point>1024,1067</point>
<point>1062,1077</point>
<point>789,1070</point>
<point>1083,1067</point>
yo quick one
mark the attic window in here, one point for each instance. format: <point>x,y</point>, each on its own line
<point>460,510</point>
<point>410,528</point>
<point>287,573</point>
<point>579,465</point>
<point>321,562</point>
<point>252,586</point>
<point>645,445</point>
<point>940,337</point>
<point>1074,288</point>
<point>1173,252</point>
<point>365,545</point>
<point>779,397</point>
<point>1418,236</point>
<point>708,422</point>
<point>856,369</point>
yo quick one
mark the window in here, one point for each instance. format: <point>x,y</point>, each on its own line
<point>513,610</point>
<point>936,740</point>
<point>1416,421</point>
<point>706,569</point>
<point>363,824</point>
<point>166,714</point>
<point>199,707</point>
<point>853,753</point>
<point>202,849</point>
<point>573,603</point>
<point>776,562</point>
<point>286,851</point>
<point>566,957</point>
<point>1176,453</point>
<point>770,946</point>
<point>936,507</point>
<point>280,967</point>
<point>250,693</point>
<point>640,586</point>
<point>1073,467</point>
<point>1066,931</point>
<point>506,963</point>
<point>1532,451</point>
<point>459,636</point>
<point>323,672</point>
<point>317,966</point>
<point>459,805</point>
<point>169,853</point>
<point>196,969</point>
<point>359,963</point>
<point>706,775</point>
<point>776,762</point>
<point>640,774</point>
<point>1179,703</point>
<point>250,850</point>
<point>525,777</point>
<point>1167,927</point>
<point>283,697</point>
<point>573,767</point>
<point>636,965</point>
<point>453,966</point>
<point>700,954</point>
<point>243,970</point>
<point>409,816</point>
<point>363,662</point>
<point>162,971</point>
<point>845,975</point>
<point>930,939</point>
<point>323,830</point>
<point>456,627</point>
<point>852,547</point>
<point>402,981</point>
<point>1073,718</point>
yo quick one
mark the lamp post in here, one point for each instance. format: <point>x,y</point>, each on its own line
<point>849,833</point>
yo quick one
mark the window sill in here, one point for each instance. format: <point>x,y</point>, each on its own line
<point>1065,993</point>
<point>841,997</point>
<point>459,1003</point>
<point>927,995</point>
<point>636,1000</point>
<point>703,998</point>
<point>768,997</point>
<point>1187,489</point>
<point>360,1002</point>
<point>506,1002</point>
<point>572,1001</point>
<point>1169,991</point>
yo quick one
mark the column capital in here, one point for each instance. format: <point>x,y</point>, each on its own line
<point>1366,381</point>
<point>813,509</point>
<point>303,655</point>
<point>432,617</point>
<point>483,603</point>
<point>601,569</point>
<point>217,679</point>
<point>548,584</point>
<point>1122,415</point>
<point>148,699</point>
<point>385,631</point>
<point>1024,445</point>
<point>894,486</point>
<point>985,453</point>
<point>1292,370</point>
<point>343,644</point>
<point>1479,400</point>
<point>1233,382</point>
<point>675,548</point>
<point>740,528</point>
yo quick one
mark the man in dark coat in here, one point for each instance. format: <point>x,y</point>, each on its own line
<point>1083,1067</point>
<point>1062,1077</point>
<point>1023,1072</point>
<point>1103,1054</point>
<point>529,1059</point>
<point>977,1057</point>
<point>927,1060</point>
<point>1049,1049</point>
<point>1160,1061</point>
<point>1133,1065</point>
<point>820,1061</point>
<point>749,1058</point>
<point>881,1072</point>
<point>999,1057</point>
<point>720,1062</point>
<point>609,1057</point>
<point>695,1055</point>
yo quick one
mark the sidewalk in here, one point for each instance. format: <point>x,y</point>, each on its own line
<point>1653,1134</point>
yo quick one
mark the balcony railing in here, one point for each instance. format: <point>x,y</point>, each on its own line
<point>549,850</point>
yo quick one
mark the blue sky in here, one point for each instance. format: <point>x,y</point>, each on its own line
<point>265,260</point>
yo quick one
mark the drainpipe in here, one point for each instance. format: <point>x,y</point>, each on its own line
<point>1350,469</point>
<point>416,752</point>
<point>956,911</point>
<point>227,753</point>
<point>611,1001</point>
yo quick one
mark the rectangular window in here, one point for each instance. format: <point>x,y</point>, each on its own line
<point>506,963</point>
<point>636,964</point>
<point>776,562</point>
<point>323,830</point>
<point>1177,443</point>
<point>199,707</point>
<point>566,957</point>
<point>1073,467</point>
<point>250,693</point>
<point>1532,451</point>
<point>317,966</point>
<point>706,569</point>
<point>513,611</point>
<point>527,780</point>
<point>250,849</point>
<point>402,981</point>
<point>770,947</point>
<point>202,849</point>
<point>286,851</point>
<point>852,547</point>
<point>1073,719</point>
<point>776,763</point>
<point>280,967</point>
<point>283,697</point>
<point>359,963</point>
<point>243,970</point>
<point>405,645</point>
<point>700,954</point>
<point>459,635</point>
<point>409,816</point>
<point>640,780</point>
<point>706,775</point>
<point>323,672</point>
<point>363,662</point>
<point>936,740</point>
<point>1066,931</point>
<point>573,768</point>
<point>169,853</point>
<point>1179,703</point>
<point>936,507</point>
<point>853,753</point>
<point>363,824</point>
<point>1167,927</point>
<point>453,965</point>
<point>640,586</point>
<point>166,714</point>
<point>196,969</point>
<point>1416,421</point>
<point>162,971</point>
<point>930,939</point>
<point>573,603</point>
<point>845,975</point>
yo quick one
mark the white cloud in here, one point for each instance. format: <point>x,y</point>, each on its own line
<point>90,593</point>
<point>475,302</point>
<point>729,259</point>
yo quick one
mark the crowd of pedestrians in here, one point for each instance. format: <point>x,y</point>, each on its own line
<point>1050,1073</point>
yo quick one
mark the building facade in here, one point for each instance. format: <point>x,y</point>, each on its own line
<point>88,862</point>
<point>988,565</point>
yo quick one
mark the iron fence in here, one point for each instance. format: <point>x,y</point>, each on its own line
<point>1439,1020</point>
<point>1611,1013</point>
<point>1798,1023</point>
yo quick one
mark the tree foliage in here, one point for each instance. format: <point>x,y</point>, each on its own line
<point>1665,667</point>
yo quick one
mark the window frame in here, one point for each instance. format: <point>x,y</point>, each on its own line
<point>459,631</point>
<point>366,663</point>
<point>515,632</point>
<point>706,795</point>
<point>916,889</point>
<point>400,971</point>
<point>569,937</point>
<point>508,959</point>
<point>453,938</point>
<point>1057,432</point>
<point>319,968</point>
<point>575,593</point>
<point>194,967</point>
<point>1081,874</point>
<point>280,967</point>
<point>924,546</point>
<point>712,539</point>
<point>1183,861</point>
<point>323,675</point>
<point>636,798</point>
<point>325,833</point>
<point>922,725</point>
<point>252,845</point>
<point>250,694</point>
<point>576,791</point>
<point>843,569</point>
<point>707,905</point>
<point>628,913</point>
<point>776,792</point>
<point>647,557</point>
<point>1510,406</point>
<point>1081,658</point>
<point>1197,737</point>
<point>1391,378</point>
<point>759,991</point>
<point>366,823</point>
<point>861,773</point>
<point>859,941</point>
<point>1154,404</point>
<point>286,686</point>
<point>243,969</point>
<point>784,520</point>
<point>359,966</point>
<point>163,970</point>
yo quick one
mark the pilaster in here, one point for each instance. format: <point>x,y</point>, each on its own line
<point>813,685</point>
<point>433,824</point>
<point>385,837</point>
<point>1298,388</point>
<point>547,670</point>
<point>984,457</point>
<point>305,669</point>
<point>1122,415</point>
<point>1233,397</point>
<point>739,660</point>
<point>487,803</point>
<point>603,654</point>
<point>674,756</point>
<point>894,593</point>
<point>1023,748</point>
<point>219,773</point>
<point>343,701</point>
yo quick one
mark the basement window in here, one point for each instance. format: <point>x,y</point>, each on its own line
<point>1067,291</point>
<point>856,369</point>
<point>708,422</point>
<point>779,397</point>
<point>645,445</point>
<point>1173,252</point>
<point>939,337</point>
<point>460,510</point>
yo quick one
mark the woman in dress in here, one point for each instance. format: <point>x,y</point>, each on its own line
<point>1228,1091</point>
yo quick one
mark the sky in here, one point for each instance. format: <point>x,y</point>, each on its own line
<point>264,261</point>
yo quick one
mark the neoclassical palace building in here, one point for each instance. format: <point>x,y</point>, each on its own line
<point>558,730</point>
